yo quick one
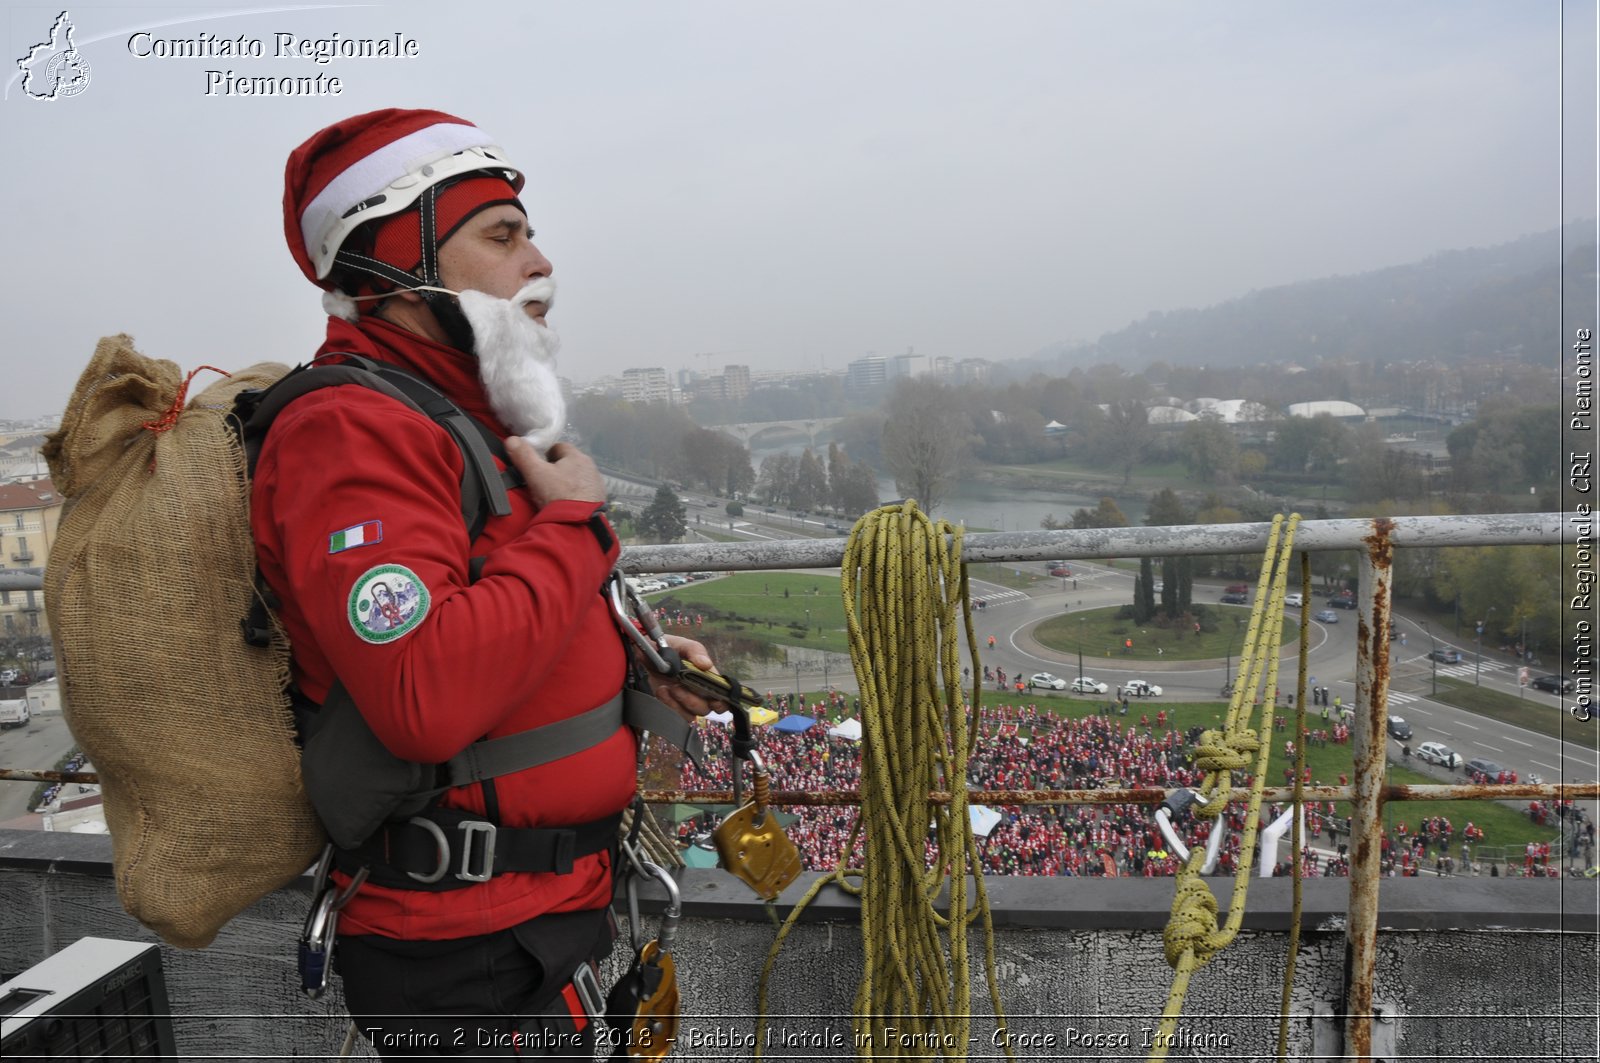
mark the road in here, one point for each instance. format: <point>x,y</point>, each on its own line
<point>1011,614</point>
<point>35,747</point>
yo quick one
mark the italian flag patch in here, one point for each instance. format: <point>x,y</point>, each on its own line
<point>360,535</point>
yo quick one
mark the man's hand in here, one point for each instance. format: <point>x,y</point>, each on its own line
<point>568,473</point>
<point>674,694</point>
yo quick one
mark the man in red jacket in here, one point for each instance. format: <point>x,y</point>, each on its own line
<point>411,221</point>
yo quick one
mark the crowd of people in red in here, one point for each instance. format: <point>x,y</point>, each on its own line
<point>1023,747</point>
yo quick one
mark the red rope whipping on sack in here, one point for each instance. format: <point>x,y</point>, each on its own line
<point>170,418</point>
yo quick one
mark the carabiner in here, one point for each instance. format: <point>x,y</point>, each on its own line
<point>631,613</point>
<point>669,916</point>
<point>320,933</point>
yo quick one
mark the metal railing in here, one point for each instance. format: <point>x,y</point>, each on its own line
<point>1375,539</point>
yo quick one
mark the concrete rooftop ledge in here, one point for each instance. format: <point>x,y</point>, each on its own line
<point>1460,903</point>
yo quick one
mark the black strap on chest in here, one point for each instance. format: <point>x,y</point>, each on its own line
<point>485,489</point>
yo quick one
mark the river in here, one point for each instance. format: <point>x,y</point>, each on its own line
<point>979,504</point>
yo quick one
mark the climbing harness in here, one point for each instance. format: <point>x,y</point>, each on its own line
<point>905,593</point>
<point>1192,936</point>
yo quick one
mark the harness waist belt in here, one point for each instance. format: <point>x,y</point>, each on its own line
<point>447,849</point>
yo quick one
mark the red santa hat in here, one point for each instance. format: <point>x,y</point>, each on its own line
<point>379,165</point>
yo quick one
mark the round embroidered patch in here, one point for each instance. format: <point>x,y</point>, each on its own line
<point>386,602</point>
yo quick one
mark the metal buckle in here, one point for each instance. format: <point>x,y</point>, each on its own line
<point>587,985</point>
<point>485,870</point>
<point>444,850</point>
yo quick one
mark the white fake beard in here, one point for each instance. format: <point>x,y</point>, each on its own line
<point>516,361</point>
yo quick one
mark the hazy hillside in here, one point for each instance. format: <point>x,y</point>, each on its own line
<point>1494,302</point>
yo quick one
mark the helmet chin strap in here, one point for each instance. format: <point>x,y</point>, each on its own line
<point>446,308</point>
<point>444,303</point>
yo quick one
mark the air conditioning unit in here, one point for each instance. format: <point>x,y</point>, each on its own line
<point>95,999</point>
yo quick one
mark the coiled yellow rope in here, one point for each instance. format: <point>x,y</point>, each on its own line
<point>1192,936</point>
<point>905,593</point>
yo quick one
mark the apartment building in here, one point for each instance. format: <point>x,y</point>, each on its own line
<point>29,514</point>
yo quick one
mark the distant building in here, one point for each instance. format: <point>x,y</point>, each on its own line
<point>1168,415</point>
<point>20,458</point>
<point>1237,411</point>
<point>1332,407</point>
<point>869,372</point>
<point>736,382</point>
<point>29,515</point>
<point>908,364</point>
<point>972,370</point>
<point>646,385</point>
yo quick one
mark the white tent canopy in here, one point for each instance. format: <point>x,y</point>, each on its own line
<point>849,730</point>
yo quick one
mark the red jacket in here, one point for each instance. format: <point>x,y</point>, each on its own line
<point>532,641</point>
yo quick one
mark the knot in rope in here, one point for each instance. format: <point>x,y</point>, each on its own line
<point>169,418</point>
<point>1192,924</point>
<point>1226,752</point>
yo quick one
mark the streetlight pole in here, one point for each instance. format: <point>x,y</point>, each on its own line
<point>1080,647</point>
<point>1434,656</point>
<point>1522,659</point>
<point>1227,666</point>
<point>1477,665</point>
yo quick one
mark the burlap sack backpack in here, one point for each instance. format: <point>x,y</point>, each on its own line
<point>153,569</point>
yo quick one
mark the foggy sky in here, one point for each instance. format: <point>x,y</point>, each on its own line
<point>799,185</point>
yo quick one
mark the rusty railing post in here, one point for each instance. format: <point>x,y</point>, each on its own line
<point>1370,744</point>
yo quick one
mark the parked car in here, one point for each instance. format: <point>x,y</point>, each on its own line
<point>1556,684</point>
<point>675,579</point>
<point>1445,656</point>
<point>1045,679</point>
<point>1296,599</point>
<point>1327,616</point>
<point>1138,688</point>
<point>1484,765</point>
<point>1399,728</point>
<point>14,713</point>
<point>1059,568</point>
<point>1088,684</point>
<point>1438,753</point>
<point>650,586</point>
<point>1235,598</point>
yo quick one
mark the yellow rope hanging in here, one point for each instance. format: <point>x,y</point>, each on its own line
<point>1192,936</point>
<point>1299,805</point>
<point>905,593</point>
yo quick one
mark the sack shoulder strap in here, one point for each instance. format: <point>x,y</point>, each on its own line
<point>484,490</point>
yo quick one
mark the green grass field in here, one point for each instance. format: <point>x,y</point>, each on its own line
<point>1100,634</point>
<point>780,608</point>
